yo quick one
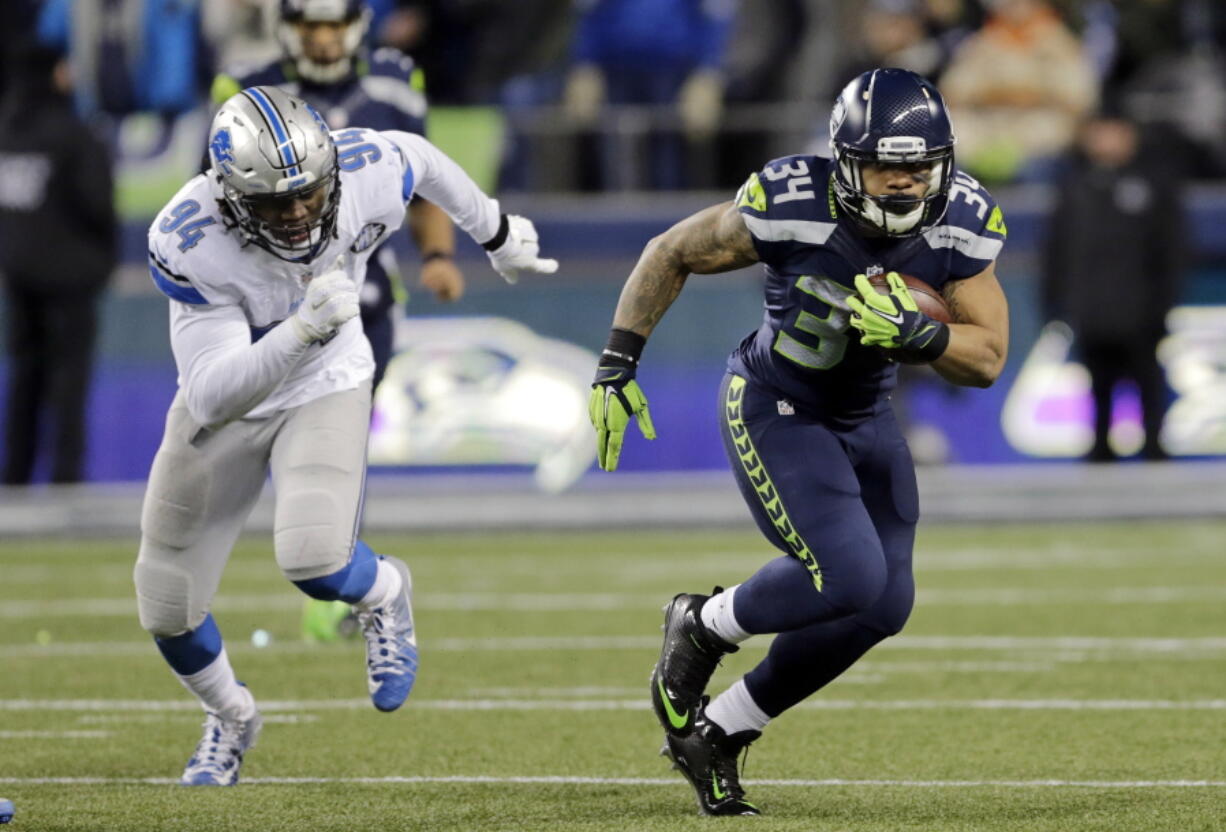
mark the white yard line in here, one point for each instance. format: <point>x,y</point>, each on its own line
<point>109,719</point>
<point>632,781</point>
<point>54,735</point>
<point>627,704</point>
<point>1062,648</point>
<point>604,601</point>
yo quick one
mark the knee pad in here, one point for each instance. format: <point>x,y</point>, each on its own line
<point>312,539</point>
<point>164,599</point>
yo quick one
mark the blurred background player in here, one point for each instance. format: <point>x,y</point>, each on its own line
<point>1113,267</point>
<point>261,259</point>
<point>805,407</point>
<point>57,251</point>
<point>327,64</point>
<point>653,52</point>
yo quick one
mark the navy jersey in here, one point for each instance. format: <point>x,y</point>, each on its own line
<point>805,349</point>
<point>385,92</point>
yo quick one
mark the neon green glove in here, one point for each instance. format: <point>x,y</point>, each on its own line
<point>616,397</point>
<point>894,322</point>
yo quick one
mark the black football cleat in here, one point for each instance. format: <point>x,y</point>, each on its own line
<point>707,757</point>
<point>688,658</point>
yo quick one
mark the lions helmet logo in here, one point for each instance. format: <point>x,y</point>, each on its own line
<point>222,149</point>
<point>319,119</point>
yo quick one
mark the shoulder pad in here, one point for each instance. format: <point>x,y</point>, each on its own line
<point>240,77</point>
<point>397,93</point>
<point>789,199</point>
<point>973,228</point>
<point>392,63</point>
<point>182,241</point>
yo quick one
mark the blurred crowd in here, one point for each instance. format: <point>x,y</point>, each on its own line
<point>1112,102</point>
<point>665,94</point>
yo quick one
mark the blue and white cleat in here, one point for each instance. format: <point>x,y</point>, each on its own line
<point>391,644</point>
<point>219,755</point>
<point>6,810</point>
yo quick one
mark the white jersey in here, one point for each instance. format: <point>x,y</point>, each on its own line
<point>228,300</point>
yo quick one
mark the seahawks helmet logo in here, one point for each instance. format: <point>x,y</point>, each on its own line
<point>222,148</point>
<point>838,115</point>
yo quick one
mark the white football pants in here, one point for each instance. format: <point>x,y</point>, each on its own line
<point>204,483</point>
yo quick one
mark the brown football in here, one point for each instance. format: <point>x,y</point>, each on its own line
<point>928,300</point>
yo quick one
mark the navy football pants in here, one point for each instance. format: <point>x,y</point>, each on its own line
<point>842,504</point>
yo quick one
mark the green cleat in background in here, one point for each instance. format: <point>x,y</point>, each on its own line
<point>325,621</point>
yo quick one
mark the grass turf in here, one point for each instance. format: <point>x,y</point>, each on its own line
<point>1053,677</point>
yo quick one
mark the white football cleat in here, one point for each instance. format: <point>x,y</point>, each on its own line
<point>391,644</point>
<point>219,754</point>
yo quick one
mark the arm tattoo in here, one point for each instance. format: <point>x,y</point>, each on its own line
<point>711,241</point>
<point>950,293</point>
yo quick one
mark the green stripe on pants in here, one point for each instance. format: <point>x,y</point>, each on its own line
<point>761,481</point>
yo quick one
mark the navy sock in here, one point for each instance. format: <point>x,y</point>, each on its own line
<point>349,584</point>
<point>193,651</point>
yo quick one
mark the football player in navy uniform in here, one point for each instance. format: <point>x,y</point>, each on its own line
<point>805,406</point>
<point>326,65</point>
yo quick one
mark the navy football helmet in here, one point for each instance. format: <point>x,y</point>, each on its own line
<point>892,117</point>
<point>354,14</point>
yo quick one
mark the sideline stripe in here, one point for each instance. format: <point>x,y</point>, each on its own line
<point>632,781</point>
<point>635,704</point>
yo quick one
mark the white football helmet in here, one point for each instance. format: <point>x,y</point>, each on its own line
<point>353,14</point>
<point>274,169</point>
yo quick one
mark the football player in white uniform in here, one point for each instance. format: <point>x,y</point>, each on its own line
<point>262,258</point>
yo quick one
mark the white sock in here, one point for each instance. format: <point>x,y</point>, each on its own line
<point>383,590</point>
<point>734,710</point>
<point>718,618</point>
<point>219,691</point>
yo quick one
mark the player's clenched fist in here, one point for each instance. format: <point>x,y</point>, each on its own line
<point>331,300</point>
<point>894,321</point>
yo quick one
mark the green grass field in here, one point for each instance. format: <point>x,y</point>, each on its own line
<point>1053,677</point>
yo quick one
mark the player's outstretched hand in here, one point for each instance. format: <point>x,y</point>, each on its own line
<point>616,397</point>
<point>331,300</point>
<point>892,321</point>
<point>519,250</point>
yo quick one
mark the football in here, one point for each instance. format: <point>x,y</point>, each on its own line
<point>928,299</point>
